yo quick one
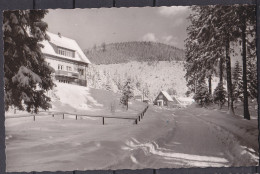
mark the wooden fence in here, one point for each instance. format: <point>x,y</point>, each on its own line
<point>63,114</point>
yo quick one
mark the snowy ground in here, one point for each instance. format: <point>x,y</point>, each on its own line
<point>187,137</point>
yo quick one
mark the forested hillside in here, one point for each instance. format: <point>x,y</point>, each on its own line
<point>147,78</point>
<point>133,51</point>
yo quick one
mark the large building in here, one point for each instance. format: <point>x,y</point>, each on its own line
<point>66,57</point>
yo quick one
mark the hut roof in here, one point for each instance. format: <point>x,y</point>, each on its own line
<point>168,97</point>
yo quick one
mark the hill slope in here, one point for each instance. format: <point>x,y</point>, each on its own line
<point>133,51</point>
<point>145,76</point>
<point>78,99</point>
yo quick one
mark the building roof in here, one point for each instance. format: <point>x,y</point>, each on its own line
<point>168,97</point>
<point>185,99</point>
<point>176,100</point>
<point>63,42</point>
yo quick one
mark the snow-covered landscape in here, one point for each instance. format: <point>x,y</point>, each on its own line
<point>106,97</point>
<point>164,138</point>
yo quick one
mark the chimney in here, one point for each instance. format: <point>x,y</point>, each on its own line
<point>59,34</point>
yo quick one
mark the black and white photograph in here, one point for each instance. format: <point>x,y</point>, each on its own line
<point>130,88</point>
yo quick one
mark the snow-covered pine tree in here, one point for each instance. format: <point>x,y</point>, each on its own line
<point>127,93</point>
<point>99,80</point>
<point>252,78</point>
<point>201,54</point>
<point>252,63</point>
<point>219,95</point>
<point>108,83</point>
<point>237,83</point>
<point>27,75</point>
<point>212,35</point>
<point>118,83</point>
<point>202,96</point>
<point>146,91</point>
<point>246,24</point>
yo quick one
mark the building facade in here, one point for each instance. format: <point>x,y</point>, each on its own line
<point>67,59</point>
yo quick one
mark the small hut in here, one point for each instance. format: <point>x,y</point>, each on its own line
<point>164,99</point>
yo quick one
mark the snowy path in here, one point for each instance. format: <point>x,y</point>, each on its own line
<point>200,138</point>
<point>191,143</point>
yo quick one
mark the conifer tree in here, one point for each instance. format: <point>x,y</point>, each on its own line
<point>237,83</point>
<point>252,78</point>
<point>202,96</point>
<point>213,29</point>
<point>127,93</point>
<point>246,23</point>
<point>219,95</point>
<point>108,83</point>
<point>27,75</point>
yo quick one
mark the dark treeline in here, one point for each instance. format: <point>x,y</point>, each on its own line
<point>213,34</point>
<point>133,51</point>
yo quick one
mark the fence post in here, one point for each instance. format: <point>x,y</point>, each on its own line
<point>139,118</point>
<point>34,118</point>
<point>76,116</point>
<point>136,121</point>
<point>63,116</point>
<point>103,118</point>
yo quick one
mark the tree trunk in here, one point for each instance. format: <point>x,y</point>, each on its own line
<point>221,70</point>
<point>210,88</point>
<point>229,80</point>
<point>220,76</point>
<point>245,94</point>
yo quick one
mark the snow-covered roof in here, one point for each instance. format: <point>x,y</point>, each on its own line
<point>169,98</point>
<point>63,42</point>
<point>186,99</point>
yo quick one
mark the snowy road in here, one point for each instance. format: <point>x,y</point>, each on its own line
<point>191,137</point>
<point>197,141</point>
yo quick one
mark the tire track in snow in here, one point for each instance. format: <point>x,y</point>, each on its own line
<point>170,156</point>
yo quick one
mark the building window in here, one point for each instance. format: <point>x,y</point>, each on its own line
<point>65,52</point>
<point>68,68</point>
<point>81,72</point>
<point>60,67</point>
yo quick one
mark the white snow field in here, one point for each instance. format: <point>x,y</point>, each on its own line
<point>164,138</point>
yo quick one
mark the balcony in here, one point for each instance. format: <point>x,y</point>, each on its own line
<point>74,75</point>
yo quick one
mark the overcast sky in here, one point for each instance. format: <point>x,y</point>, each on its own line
<point>95,26</point>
